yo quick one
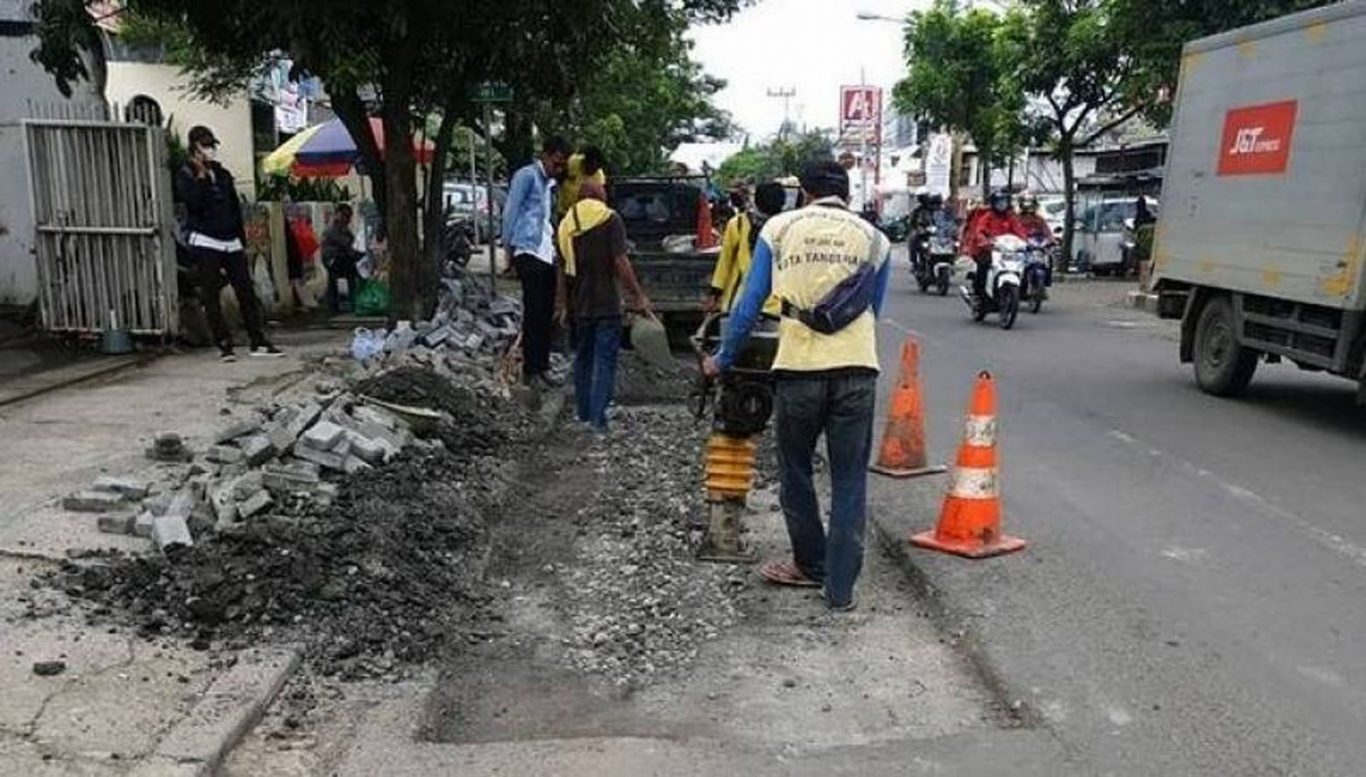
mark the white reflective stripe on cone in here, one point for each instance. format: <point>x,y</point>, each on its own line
<point>975,483</point>
<point>980,431</point>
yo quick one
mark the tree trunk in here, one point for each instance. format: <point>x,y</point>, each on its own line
<point>1069,194</point>
<point>434,220</point>
<point>351,111</point>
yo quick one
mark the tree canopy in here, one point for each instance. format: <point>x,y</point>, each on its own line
<point>778,159</point>
<point>402,60</point>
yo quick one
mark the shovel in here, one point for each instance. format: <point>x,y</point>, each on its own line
<point>651,342</point>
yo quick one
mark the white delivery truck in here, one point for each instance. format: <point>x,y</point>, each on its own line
<point>1261,246</point>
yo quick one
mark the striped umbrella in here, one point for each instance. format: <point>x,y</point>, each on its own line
<point>328,151</point>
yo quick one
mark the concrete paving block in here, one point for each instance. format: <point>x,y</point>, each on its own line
<point>353,464</point>
<point>231,706</point>
<point>239,428</point>
<point>280,437</point>
<point>248,484</point>
<point>368,450</point>
<point>202,519</point>
<point>92,502</point>
<point>303,417</point>
<point>254,504</point>
<point>142,524</point>
<point>224,454</point>
<point>128,488</point>
<point>321,458</point>
<point>343,446</point>
<point>323,436</point>
<point>202,466</point>
<point>289,478</point>
<point>171,530</point>
<point>182,504</point>
<point>257,449</point>
<point>117,523</point>
<point>224,505</point>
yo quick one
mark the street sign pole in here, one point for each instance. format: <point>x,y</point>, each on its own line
<point>488,163</point>
<point>488,93</point>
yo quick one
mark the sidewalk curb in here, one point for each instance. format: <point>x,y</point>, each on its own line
<point>956,623</point>
<point>1143,300</point>
<point>196,745</point>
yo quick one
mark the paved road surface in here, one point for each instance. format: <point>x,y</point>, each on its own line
<point>1193,600</point>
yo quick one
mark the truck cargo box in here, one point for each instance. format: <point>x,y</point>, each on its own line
<point>1265,190</point>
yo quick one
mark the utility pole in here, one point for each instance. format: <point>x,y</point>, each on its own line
<point>785,93</point>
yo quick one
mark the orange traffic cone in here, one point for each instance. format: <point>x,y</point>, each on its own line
<point>903,443</point>
<point>970,524</point>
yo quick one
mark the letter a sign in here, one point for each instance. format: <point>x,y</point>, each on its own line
<point>860,112</point>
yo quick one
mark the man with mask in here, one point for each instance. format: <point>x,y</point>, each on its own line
<point>825,372</point>
<point>737,250</point>
<point>998,220</point>
<point>216,237</point>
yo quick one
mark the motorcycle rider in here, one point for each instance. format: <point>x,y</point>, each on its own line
<point>997,220</point>
<point>921,219</point>
<point>1038,229</point>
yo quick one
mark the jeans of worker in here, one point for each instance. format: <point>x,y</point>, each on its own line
<point>538,312</point>
<point>211,266</point>
<point>597,343</point>
<point>841,407</point>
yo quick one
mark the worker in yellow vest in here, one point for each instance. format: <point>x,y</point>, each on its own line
<point>589,164</point>
<point>829,269</point>
<point>737,250</point>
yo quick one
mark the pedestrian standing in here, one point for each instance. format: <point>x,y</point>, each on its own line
<point>592,242</point>
<point>737,250</point>
<point>528,237</point>
<point>829,268</point>
<point>216,239</point>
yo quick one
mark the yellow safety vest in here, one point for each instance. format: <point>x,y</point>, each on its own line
<point>732,266</point>
<point>815,248</point>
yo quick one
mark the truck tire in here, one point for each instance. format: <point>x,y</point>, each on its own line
<point>1222,366</point>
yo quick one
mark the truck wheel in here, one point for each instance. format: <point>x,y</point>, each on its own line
<point>1222,366</point>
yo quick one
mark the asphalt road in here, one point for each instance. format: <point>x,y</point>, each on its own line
<point>1193,599</point>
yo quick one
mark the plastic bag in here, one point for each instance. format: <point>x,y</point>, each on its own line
<point>367,344</point>
<point>372,299</point>
<point>401,339</point>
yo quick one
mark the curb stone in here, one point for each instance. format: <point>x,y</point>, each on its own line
<point>231,707</point>
<point>954,621</point>
<point>1143,300</point>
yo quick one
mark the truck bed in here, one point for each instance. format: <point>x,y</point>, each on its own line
<point>1265,190</point>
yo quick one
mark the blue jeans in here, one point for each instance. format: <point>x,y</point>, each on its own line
<point>841,406</point>
<point>595,367</point>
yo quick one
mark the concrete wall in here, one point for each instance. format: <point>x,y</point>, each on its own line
<point>22,83</point>
<point>165,84</point>
<point>1042,175</point>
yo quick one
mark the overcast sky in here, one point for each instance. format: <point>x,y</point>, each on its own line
<point>812,45</point>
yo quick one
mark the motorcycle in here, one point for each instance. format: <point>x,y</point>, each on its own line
<point>1034,281</point>
<point>932,257</point>
<point>1004,278</point>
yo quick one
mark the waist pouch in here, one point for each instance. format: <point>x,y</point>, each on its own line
<point>842,305</point>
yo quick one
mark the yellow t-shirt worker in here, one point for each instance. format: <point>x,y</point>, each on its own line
<point>737,250</point>
<point>587,165</point>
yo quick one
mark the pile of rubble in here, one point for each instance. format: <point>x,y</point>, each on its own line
<point>642,603</point>
<point>269,457</point>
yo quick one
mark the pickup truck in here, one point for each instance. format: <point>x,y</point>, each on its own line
<point>662,216</point>
<point>1261,248</point>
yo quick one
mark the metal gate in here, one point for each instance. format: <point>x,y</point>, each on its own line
<point>102,208</point>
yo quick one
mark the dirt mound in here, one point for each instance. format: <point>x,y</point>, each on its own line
<point>480,422</point>
<point>640,383</point>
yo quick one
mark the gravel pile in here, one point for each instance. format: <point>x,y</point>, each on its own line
<point>641,603</point>
<point>641,383</point>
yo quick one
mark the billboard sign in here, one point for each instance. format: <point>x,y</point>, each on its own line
<point>860,114</point>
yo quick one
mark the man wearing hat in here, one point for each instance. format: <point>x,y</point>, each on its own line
<point>829,268</point>
<point>216,238</point>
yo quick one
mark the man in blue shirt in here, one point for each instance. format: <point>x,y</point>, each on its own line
<point>528,237</point>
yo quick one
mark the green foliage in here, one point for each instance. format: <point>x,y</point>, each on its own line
<point>778,159</point>
<point>283,188</point>
<point>960,77</point>
<point>66,36</point>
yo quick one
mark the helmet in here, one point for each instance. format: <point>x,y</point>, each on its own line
<point>1000,200</point>
<point>1029,203</point>
<point>935,201</point>
<point>923,198</point>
